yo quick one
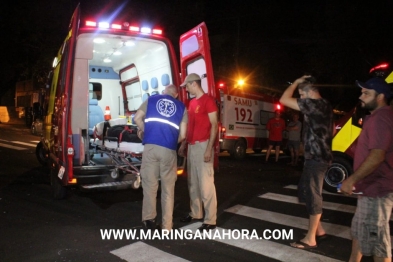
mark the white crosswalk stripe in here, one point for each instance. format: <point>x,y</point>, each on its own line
<point>292,221</point>
<point>140,251</point>
<point>323,191</point>
<point>12,147</point>
<point>17,145</point>
<point>266,248</point>
<point>23,143</point>
<point>326,205</point>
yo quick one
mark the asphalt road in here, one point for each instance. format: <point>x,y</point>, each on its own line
<point>252,196</point>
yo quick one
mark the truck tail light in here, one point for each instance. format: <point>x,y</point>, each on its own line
<point>223,131</point>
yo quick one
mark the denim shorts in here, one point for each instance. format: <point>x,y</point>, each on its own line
<point>370,225</point>
<point>310,185</point>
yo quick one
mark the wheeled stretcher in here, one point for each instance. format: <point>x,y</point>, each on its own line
<point>118,140</point>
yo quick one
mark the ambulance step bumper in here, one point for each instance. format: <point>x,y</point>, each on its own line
<point>109,185</point>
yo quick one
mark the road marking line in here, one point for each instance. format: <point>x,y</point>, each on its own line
<point>323,191</point>
<point>12,147</point>
<point>267,248</point>
<point>23,143</point>
<point>287,220</point>
<point>295,200</point>
<point>140,251</point>
<point>291,221</point>
<point>325,205</point>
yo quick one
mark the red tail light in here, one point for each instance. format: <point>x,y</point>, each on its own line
<point>378,67</point>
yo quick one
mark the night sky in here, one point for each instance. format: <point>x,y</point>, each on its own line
<point>267,42</point>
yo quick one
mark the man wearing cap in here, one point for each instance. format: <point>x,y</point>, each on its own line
<point>162,123</point>
<point>373,176</point>
<point>201,134</point>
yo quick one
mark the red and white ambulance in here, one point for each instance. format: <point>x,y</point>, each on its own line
<point>243,119</point>
<point>105,70</point>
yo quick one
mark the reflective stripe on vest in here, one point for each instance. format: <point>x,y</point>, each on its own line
<point>154,119</point>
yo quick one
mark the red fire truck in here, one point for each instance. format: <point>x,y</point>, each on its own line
<point>347,131</point>
<point>112,67</point>
<point>243,119</point>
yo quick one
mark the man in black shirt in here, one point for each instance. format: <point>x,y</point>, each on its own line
<point>317,138</point>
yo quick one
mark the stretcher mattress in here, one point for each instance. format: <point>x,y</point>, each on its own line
<point>127,147</point>
<point>122,138</point>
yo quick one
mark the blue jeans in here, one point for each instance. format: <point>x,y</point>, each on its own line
<point>310,185</point>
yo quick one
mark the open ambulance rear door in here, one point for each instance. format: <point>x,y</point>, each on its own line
<point>195,58</point>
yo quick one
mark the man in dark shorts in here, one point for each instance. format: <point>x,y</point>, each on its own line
<point>276,126</point>
<point>317,138</point>
<point>373,176</point>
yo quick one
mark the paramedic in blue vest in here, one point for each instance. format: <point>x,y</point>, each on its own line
<point>162,123</point>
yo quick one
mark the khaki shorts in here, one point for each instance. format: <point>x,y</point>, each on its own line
<point>370,225</point>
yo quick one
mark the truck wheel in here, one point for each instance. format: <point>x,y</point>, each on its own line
<point>340,169</point>
<point>58,190</point>
<point>239,150</point>
<point>41,154</point>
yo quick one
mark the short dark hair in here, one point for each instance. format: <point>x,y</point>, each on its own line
<point>307,86</point>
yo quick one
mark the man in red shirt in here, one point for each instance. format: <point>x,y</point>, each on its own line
<point>201,134</point>
<point>276,126</point>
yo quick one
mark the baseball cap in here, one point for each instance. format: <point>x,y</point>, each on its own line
<point>377,84</point>
<point>191,77</point>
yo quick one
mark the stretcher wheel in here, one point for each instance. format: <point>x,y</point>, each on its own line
<point>136,183</point>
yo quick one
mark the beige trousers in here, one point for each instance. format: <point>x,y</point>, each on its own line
<point>158,163</point>
<point>201,184</point>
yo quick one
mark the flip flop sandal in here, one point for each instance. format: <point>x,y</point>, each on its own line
<point>321,238</point>
<point>301,245</point>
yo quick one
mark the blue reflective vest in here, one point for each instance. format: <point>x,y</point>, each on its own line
<point>162,121</point>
